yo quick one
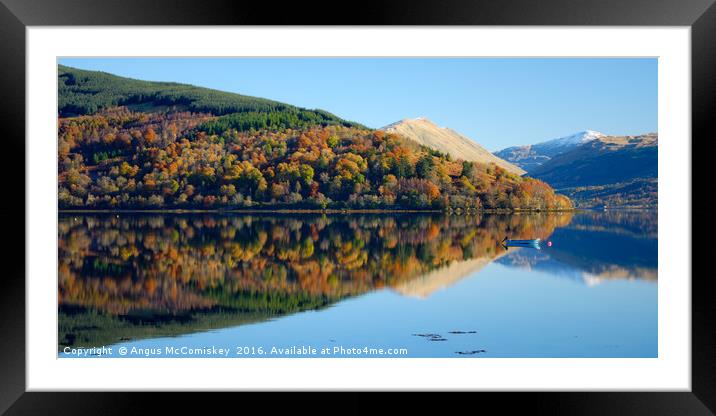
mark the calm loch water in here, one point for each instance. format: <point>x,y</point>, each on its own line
<point>399,285</point>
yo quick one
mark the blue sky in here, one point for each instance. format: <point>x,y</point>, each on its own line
<point>498,102</point>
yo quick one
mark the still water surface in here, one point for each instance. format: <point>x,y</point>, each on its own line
<point>419,285</point>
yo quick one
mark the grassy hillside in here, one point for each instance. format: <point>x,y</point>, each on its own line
<point>83,92</point>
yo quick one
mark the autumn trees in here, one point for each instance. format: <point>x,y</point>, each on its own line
<point>131,144</point>
<point>123,159</point>
<point>171,145</point>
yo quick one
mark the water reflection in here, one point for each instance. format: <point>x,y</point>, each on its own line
<point>597,246</point>
<point>140,276</point>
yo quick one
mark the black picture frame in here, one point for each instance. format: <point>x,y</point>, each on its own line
<point>16,15</point>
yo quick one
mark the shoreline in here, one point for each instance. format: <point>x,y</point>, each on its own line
<point>310,211</point>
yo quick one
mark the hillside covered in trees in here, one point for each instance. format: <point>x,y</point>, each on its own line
<point>87,92</point>
<point>172,146</point>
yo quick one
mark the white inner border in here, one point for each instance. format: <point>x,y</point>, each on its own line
<point>670,371</point>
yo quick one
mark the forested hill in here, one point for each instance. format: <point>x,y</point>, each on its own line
<point>82,92</point>
<point>128,144</point>
<point>131,160</point>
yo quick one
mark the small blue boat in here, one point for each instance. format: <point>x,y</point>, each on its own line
<point>534,243</point>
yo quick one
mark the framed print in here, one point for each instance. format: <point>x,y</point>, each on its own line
<point>453,199</point>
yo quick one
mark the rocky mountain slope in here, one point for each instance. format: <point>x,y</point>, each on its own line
<point>445,140</point>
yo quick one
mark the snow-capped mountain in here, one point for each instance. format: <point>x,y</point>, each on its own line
<point>594,169</point>
<point>530,157</point>
<point>427,133</point>
<point>552,147</point>
<point>606,160</point>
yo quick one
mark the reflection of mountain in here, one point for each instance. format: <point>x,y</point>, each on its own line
<point>598,246</point>
<point>147,276</point>
<point>424,285</point>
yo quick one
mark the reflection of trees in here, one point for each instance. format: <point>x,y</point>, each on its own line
<point>173,265</point>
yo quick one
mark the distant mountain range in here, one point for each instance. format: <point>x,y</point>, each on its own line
<point>601,161</point>
<point>530,157</point>
<point>448,141</point>
<point>594,169</point>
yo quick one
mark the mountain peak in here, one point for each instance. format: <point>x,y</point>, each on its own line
<point>576,138</point>
<point>409,121</point>
<point>532,156</point>
<point>426,133</point>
